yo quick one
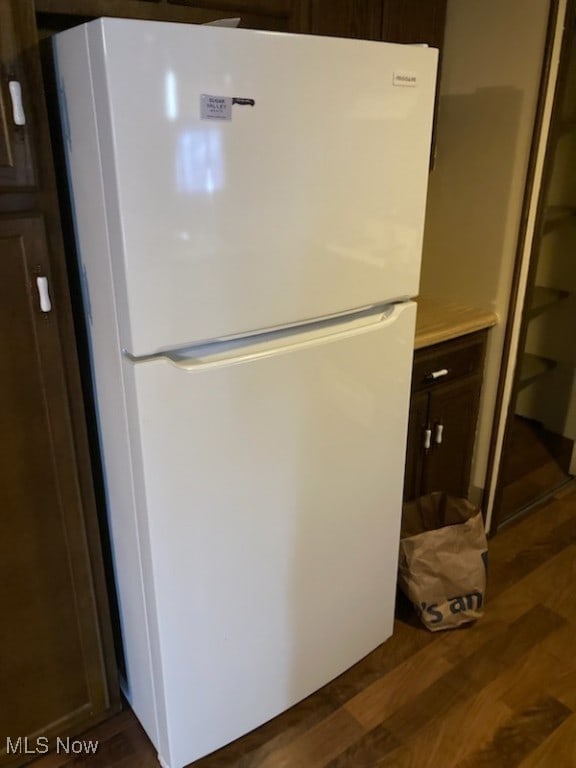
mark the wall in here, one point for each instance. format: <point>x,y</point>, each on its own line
<point>490,81</point>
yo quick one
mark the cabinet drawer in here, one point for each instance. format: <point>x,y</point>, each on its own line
<point>448,361</point>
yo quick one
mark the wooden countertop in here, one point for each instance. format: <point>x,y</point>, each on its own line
<point>439,320</point>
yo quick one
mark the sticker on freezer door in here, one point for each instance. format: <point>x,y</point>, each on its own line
<point>220,107</point>
<point>215,107</point>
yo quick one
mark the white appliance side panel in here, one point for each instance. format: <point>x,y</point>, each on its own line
<point>274,492</point>
<point>307,204</point>
<point>128,528</point>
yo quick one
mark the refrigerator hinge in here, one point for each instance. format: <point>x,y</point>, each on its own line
<point>65,120</point>
<point>86,293</point>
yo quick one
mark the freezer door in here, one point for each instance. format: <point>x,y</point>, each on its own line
<point>250,179</point>
<point>273,497</point>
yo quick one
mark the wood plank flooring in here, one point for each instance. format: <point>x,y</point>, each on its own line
<point>498,694</point>
<point>536,463</point>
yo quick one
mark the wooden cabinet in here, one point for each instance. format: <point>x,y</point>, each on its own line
<point>395,21</point>
<point>57,671</point>
<point>275,15</point>
<point>399,21</point>
<point>16,164</point>
<point>414,21</point>
<point>446,385</point>
<point>346,18</point>
<point>51,669</point>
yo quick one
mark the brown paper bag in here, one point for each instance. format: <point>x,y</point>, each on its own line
<point>443,558</point>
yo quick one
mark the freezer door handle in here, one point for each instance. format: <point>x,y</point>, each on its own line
<point>248,348</point>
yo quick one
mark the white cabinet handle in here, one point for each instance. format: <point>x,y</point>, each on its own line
<point>18,114</point>
<point>43,294</point>
<point>427,438</point>
<point>439,434</point>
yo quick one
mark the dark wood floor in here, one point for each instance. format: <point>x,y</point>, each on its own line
<point>537,463</point>
<point>499,694</point>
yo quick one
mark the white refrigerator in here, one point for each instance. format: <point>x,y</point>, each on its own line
<point>249,210</point>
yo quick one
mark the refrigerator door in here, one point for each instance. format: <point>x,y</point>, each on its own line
<point>273,486</point>
<point>238,180</point>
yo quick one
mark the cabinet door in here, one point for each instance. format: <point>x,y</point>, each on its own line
<point>416,449</point>
<point>414,21</point>
<point>51,668</point>
<point>452,419</point>
<point>396,21</point>
<point>275,15</point>
<point>346,18</point>
<point>16,167</point>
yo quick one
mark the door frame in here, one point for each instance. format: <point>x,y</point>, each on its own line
<point>538,169</point>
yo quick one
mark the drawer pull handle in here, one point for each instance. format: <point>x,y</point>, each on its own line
<point>18,114</point>
<point>437,374</point>
<point>427,439</point>
<point>439,434</point>
<point>43,294</point>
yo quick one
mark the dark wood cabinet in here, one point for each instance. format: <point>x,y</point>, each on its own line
<point>399,21</point>
<point>275,15</point>
<point>16,163</point>
<point>51,666</point>
<point>395,21</point>
<point>446,384</point>
<point>346,18</point>
<point>57,670</point>
<point>414,21</point>
<point>415,452</point>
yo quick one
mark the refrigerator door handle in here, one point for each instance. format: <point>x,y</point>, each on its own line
<point>220,353</point>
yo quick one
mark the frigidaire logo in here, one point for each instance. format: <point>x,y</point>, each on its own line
<point>406,79</point>
<point>24,745</point>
